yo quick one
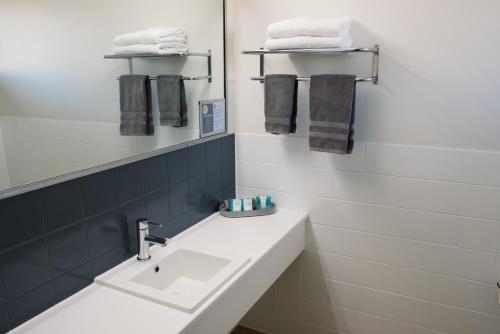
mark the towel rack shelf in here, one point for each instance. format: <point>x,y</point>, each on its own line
<point>130,57</point>
<point>201,77</point>
<point>149,55</point>
<point>374,51</point>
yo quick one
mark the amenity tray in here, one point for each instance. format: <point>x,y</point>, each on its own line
<point>242,214</point>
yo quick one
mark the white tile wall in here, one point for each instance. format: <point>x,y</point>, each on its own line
<point>37,149</point>
<point>401,239</point>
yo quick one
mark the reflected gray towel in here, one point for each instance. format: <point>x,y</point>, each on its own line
<point>332,100</point>
<point>172,100</point>
<point>135,104</point>
<point>280,105</point>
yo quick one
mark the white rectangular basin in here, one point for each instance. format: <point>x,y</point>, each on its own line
<point>182,279</point>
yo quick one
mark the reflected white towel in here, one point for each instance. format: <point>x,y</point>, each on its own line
<point>309,27</point>
<point>151,36</point>
<point>162,48</point>
<point>305,42</point>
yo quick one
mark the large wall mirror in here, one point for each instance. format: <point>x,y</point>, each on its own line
<point>60,97</point>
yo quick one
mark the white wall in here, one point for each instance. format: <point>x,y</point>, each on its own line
<point>53,75</point>
<point>404,234</point>
<point>438,77</point>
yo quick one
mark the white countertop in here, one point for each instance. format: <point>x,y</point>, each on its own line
<point>98,309</point>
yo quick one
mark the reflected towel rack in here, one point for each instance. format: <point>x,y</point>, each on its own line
<point>130,57</point>
<point>374,51</point>
<point>202,77</point>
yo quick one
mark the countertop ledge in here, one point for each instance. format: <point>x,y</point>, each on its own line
<point>99,309</point>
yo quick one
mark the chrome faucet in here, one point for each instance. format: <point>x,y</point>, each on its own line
<point>144,239</point>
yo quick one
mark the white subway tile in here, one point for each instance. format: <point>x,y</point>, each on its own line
<point>471,295</point>
<point>351,163</point>
<point>341,319</point>
<point>334,184</point>
<point>284,150</point>
<point>264,311</point>
<point>366,300</point>
<point>482,202</point>
<point>287,200</point>
<point>314,312</point>
<point>330,239</point>
<point>289,283</point>
<point>446,197</point>
<point>435,258</point>
<point>400,308</point>
<point>371,274</point>
<point>288,307</point>
<point>484,168</point>
<point>493,306</point>
<point>492,325</point>
<point>479,234</point>
<point>467,322</point>
<point>396,191</point>
<point>476,265</point>
<point>346,295</point>
<point>433,316</point>
<point>398,160</point>
<point>391,221</point>
<point>434,287</point>
<point>333,266</point>
<point>271,176</point>
<point>450,165</point>
<point>315,288</point>
<point>366,323</point>
<point>307,328</point>
<point>401,281</point>
<point>421,330</point>
<point>286,326</point>
<point>341,268</point>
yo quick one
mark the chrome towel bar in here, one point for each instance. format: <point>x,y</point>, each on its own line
<point>374,51</point>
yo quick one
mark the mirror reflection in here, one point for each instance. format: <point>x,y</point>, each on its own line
<point>67,101</point>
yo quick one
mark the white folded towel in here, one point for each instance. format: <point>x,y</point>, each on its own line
<point>306,42</point>
<point>161,49</point>
<point>309,27</point>
<point>151,36</point>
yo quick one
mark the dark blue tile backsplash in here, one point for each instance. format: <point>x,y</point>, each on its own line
<point>54,241</point>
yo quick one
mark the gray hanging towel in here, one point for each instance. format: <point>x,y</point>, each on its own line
<point>172,100</point>
<point>332,101</point>
<point>136,117</point>
<point>280,104</point>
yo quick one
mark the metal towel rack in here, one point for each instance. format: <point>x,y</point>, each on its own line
<point>375,51</point>
<point>202,77</point>
<point>130,58</point>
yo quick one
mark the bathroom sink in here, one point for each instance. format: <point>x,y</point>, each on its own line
<point>182,279</point>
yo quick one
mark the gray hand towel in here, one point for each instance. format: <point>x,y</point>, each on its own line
<point>332,101</point>
<point>280,105</point>
<point>135,104</point>
<point>172,100</point>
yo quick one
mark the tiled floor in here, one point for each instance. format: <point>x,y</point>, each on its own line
<point>244,330</point>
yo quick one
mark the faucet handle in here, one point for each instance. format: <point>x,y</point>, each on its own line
<point>144,223</point>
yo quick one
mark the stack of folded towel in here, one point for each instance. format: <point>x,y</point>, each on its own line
<point>163,40</point>
<point>304,33</point>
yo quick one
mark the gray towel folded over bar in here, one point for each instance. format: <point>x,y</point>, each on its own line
<point>332,101</point>
<point>280,105</point>
<point>172,100</point>
<point>136,117</point>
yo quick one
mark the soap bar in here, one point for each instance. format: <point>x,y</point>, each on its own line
<point>263,202</point>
